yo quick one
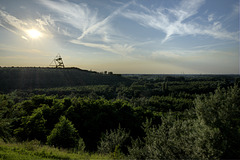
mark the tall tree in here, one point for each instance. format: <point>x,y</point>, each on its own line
<point>63,135</point>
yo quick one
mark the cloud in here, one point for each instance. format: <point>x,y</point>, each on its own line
<point>99,24</point>
<point>211,45</point>
<point>25,38</point>
<point>166,56</point>
<point>121,49</point>
<point>200,61</point>
<point>85,26</point>
<point>45,21</point>
<point>20,27</point>
<point>78,16</point>
<point>28,51</point>
<point>75,13</point>
<point>235,10</point>
<point>186,9</point>
<point>210,17</point>
<point>177,21</point>
<point>12,23</point>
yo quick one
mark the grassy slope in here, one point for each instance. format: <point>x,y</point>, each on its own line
<point>33,150</point>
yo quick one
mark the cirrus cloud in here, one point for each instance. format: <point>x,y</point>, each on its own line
<point>177,21</point>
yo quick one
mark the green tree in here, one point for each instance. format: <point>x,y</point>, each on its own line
<point>212,131</point>
<point>113,139</point>
<point>5,131</point>
<point>32,127</point>
<point>64,134</point>
<point>176,139</point>
<point>6,117</point>
<point>221,111</point>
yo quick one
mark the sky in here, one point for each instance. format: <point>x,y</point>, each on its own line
<point>122,36</point>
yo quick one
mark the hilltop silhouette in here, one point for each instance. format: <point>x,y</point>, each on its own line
<point>12,78</point>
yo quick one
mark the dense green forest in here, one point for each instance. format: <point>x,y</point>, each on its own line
<point>128,117</point>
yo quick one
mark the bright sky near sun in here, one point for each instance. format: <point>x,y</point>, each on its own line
<point>122,36</point>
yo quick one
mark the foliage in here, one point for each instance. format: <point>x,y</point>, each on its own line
<point>190,117</point>
<point>5,116</point>
<point>213,134</point>
<point>81,145</point>
<point>64,135</point>
<point>221,111</point>
<point>5,129</point>
<point>176,139</point>
<point>32,127</point>
<point>113,140</point>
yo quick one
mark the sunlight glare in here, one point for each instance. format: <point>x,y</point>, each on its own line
<point>33,33</point>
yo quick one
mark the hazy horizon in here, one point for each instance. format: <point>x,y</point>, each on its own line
<point>125,37</point>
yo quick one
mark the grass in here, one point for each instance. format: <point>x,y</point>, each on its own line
<point>34,150</point>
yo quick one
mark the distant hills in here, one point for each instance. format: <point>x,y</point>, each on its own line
<point>12,78</point>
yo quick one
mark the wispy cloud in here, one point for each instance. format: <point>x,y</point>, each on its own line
<point>45,21</point>
<point>78,16</point>
<point>101,23</point>
<point>94,31</point>
<point>201,61</point>
<point>113,48</point>
<point>12,23</point>
<point>235,10</point>
<point>20,27</point>
<point>212,45</point>
<point>176,21</point>
<point>210,17</point>
<point>28,51</point>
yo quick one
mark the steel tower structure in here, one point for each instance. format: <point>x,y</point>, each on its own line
<point>57,62</point>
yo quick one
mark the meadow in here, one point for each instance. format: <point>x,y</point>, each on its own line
<point>35,150</point>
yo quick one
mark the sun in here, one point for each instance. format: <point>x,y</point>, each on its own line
<point>34,34</point>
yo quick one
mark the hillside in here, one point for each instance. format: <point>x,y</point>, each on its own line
<point>12,78</point>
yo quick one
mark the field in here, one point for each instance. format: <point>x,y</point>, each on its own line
<point>136,117</point>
